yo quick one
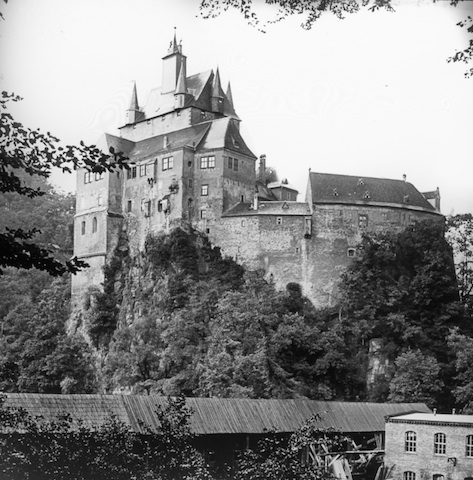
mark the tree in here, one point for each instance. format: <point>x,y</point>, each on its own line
<point>314,9</point>
<point>416,379</point>
<point>23,150</point>
<point>462,346</point>
<point>460,236</point>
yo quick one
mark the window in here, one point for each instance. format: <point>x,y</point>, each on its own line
<point>98,176</point>
<point>230,163</point>
<point>131,173</point>
<point>147,208</point>
<point>143,170</point>
<point>243,223</point>
<point>279,221</point>
<point>82,230</point>
<point>469,446</point>
<point>411,441</point>
<point>207,162</point>
<point>168,163</point>
<point>99,199</point>
<point>242,198</point>
<point>440,444</point>
<point>235,164</point>
<point>190,183</point>
<point>128,206</point>
<point>203,214</point>
<point>438,476</point>
<point>408,476</point>
<point>362,221</point>
<point>87,177</point>
<point>204,190</point>
<point>160,206</point>
<point>351,252</point>
<point>94,225</point>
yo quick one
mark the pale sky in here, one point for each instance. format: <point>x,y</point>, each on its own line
<point>371,95</point>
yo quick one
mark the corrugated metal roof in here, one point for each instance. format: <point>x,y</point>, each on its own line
<point>346,189</point>
<point>216,415</point>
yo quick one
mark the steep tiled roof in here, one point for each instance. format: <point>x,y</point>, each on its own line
<point>119,144</point>
<point>225,134</point>
<point>351,190</point>
<point>159,104</point>
<point>216,415</point>
<point>190,136</point>
<point>269,208</point>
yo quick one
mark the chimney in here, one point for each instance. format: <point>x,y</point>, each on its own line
<point>453,411</point>
<point>255,201</point>
<point>404,177</point>
<point>262,168</point>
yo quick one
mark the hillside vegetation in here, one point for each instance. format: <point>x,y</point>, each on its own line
<point>180,319</point>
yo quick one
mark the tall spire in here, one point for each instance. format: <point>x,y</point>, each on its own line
<point>174,46</point>
<point>172,63</point>
<point>217,94</point>
<point>134,114</point>
<point>180,94</point>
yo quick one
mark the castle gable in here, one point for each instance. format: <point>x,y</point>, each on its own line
<point>352,190</point>
<point>224,133</point>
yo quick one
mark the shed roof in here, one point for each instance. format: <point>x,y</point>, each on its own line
<point>215,415</point>
<point>280,208</point>
<point>351,190</point>
<point>433,418</point>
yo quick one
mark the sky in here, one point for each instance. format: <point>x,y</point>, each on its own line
<point>371,95</point>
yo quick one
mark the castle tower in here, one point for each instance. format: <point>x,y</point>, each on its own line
<point>181,95</point>
<point>173,62</point>
<point>134,114</point>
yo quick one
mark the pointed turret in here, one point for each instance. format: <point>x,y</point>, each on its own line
<point>217,94</point>
<point>133,114</point>
<point>228,108</point>
<point>180,95</point>
<point>172,64</point>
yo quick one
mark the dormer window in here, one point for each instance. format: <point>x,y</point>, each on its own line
<point>406,199</point>
<point>367,195</point>
<point>335,192</point>
<point>361,181</point>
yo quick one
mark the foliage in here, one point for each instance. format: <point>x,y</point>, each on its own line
<point>312,9</point>
<point>460,236</point>
<point>26,151</point>
<point>36,354</point>
<point>277,457</point>
<point>63,448</point>
<point>465,55</point>
<point>462,346</point>
<point>416,379</point>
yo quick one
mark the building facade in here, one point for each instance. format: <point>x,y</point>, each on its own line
<point>429,446</point>
<point>190,167</point>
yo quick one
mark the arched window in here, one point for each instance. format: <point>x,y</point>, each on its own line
<point>408,476</point>
<point>469,446</point>
<point>410,442</point>
<point>440,444</point>
<point>82,227</point>
<point>438,476</point>
<point>94,225</point>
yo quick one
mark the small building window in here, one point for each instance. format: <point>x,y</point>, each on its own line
<point>438,476</point>
<point>440,444</point>
<point>469,446</point>
<point>160,206</point>
<point>99,199</point>
<point>128,206</point>
<point>362,221</point>
<point>410,442</point>
<point>143,170</point>
<point>207,162</point>
<point>131,173</point>
<point>242,198</point>
<point>203,214</point>
<point>168,163</point>
<point>408,476</point>
<point>230,163</point>
<point>94,225</point>
<point>147,208</point>
<point>243,223</point>
<point>98,176</point>
<point>279,221</point>
<point>235,164</point>
<point>82,231</point>
<point>87,177</point>
<point>190,183</point>
<point>204,190</point>
<point>351,252</point>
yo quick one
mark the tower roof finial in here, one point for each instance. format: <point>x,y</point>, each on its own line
<point>134,98</point>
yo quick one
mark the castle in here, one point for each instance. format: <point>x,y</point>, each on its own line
<point>190,167</point>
